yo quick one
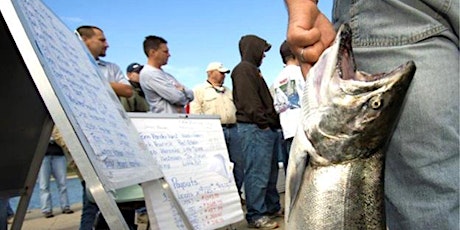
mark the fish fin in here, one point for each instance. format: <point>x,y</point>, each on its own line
<point>298,159</point>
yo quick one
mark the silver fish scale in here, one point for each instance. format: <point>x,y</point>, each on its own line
<point>326,191</point>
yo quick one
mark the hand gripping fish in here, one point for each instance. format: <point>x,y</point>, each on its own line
<point>335,173</point>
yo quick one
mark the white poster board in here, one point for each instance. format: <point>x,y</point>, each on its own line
<point>193,157</point>
<point>107,135</point>
<point>101,138</point>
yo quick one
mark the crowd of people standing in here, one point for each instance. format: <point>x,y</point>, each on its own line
<point>148,88</point>
<point>246,112</point>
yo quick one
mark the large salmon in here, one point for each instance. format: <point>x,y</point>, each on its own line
<point>335,172</point>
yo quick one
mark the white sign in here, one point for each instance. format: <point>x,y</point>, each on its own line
<point>193,157</point>
<point>110,140</point>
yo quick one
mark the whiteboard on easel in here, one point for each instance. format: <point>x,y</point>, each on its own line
<point>106,134</point>
<point>192,154</point>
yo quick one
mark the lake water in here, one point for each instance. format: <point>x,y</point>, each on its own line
<point>74,191</point>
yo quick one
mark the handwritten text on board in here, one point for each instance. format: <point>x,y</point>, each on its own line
<point>193,157</point>
<point>115,149</point>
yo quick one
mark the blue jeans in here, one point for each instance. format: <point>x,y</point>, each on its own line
<point>287,148</point>
<point>422,161</point>
<point>9,209</point>
<point>281,154</point>
<point>3,213</point>
<point>261,170</point>
<point>56,166</point>
<point>236,156</point>
<point>88,212</point>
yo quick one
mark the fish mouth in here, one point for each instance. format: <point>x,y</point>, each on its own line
<point>347,70</point>
<point>346,60</point>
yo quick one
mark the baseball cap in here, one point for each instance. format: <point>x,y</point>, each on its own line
<point>217,66</point>
<point>285,51</point>
<point>134,67</point>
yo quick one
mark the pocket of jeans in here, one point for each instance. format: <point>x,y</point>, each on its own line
<point>391,22</point>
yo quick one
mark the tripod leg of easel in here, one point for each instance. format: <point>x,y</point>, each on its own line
<point>26,194</point>
<point>159,198</point>
<point>169,192</point>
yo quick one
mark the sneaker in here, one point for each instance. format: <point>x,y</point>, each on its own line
<point>280,213</point>
<point>67,211</point>
<point>10,219</point>
<point>263,223</point>
<point>48,214</point>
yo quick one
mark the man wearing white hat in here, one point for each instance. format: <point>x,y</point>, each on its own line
<point>213,98</point>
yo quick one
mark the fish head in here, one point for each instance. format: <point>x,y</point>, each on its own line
<point>350,113</point>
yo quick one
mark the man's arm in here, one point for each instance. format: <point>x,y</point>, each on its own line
<point>122,89</point>
<point>309,31</point>
<point>118,81</point>
<point>165,87</point>
<point>189,94</point>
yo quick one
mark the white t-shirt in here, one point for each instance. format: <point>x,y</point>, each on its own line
<point>288,90</point>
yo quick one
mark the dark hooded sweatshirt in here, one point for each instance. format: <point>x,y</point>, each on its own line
<point>252,98</point>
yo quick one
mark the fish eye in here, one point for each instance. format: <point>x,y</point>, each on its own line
<point>376,102</point>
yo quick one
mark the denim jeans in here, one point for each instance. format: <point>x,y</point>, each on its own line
<point>281,154</point>
<point>88,212</point>
<point>9,209</point>
<point>261,170</point>
<point>287,148</point>
<point>422,161</point>
<point>3,213</point>
<point>56,166</point>
<point>235,153</point>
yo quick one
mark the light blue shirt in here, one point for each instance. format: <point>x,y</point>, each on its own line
<point>161,92</point>
<point>112,72</point>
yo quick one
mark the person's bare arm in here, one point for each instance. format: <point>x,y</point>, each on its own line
<point>122,89</point>
<point>308,30</point>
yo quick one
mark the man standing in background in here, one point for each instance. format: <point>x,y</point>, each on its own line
<point>137,102</point>
<point>163,92</point>
<point>213,98</point>
<point>95,40</point>
<point>257,124</point>
<point>288,91</point>
<point>54,163</point>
